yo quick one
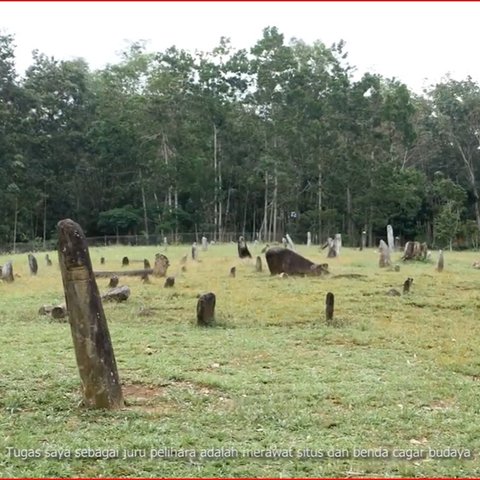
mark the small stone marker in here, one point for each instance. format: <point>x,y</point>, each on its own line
<point>91,338</point>
<point>206,309</point>
<point>329,307</point>
<point>113,281</point>
<point>102,261</point>
<point>169,282</point>
<point>309,239</point>
<point>58,312</point>
<point>440,262</point>
<point>204,244</point>
<point>146,264</point>
<point>406,285</point>
<point>258,264</point>
<point>184,259</point>
<point>393,293</point>
<point>384,260</point>
<point>194,251</point>
<point>118,294</point>
<point>165,243</point>
<point>233,272</point>
<point>32,264</point>
<point>7,272</point>
<point>125,262</point>
<point>48,261</point>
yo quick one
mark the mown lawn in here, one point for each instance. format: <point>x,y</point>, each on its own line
<point>399,376</point>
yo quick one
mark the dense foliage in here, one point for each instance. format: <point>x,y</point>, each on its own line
<point>278,139</point>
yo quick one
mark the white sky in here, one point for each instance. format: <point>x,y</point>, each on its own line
<point>416,42</point>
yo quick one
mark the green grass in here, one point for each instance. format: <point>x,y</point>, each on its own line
<point>396,373</point>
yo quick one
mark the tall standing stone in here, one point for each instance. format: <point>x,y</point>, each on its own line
<point>363,245</point>
<point>204,244</point>
<point>290,241</point>
<point>390,239</point>
<point>91,338</point>
<point>309,239</point>
<point>384,260</point>
<point>338,243</point>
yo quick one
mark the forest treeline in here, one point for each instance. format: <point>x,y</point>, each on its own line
<point>280,138</point>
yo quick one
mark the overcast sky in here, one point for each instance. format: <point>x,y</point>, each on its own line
<point>416,42</point>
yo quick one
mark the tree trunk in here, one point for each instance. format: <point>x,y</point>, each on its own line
<point>320,188</point>
<point>275,204</point>
<point>215,192</point>
<point>175,197</point>
<point>15,220</point>
<point>350,226</point>
<point>44,220</point>
<point>264,226</point>
<point>144,204</point>
<point>91,338</point>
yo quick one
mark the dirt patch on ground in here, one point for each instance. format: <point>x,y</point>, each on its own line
<point>147,398</point>
<point>156,399</point>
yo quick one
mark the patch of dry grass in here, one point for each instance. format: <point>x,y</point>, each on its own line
<point>396,372</point>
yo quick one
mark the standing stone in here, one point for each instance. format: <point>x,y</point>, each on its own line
<point>258,264</point>
<point>146,264</point>
<point>184,259</point>
<point>206,309</point>
<point>233,272</point>
<point>204,244</point>
<point>194,251</point>
<point>309,239</point>
<point>165,242</point>
<point>329,307</point>
<point>407,284</point>
<point>290,241</point>
<point>397,244</point>
<point>102,261</point>
<point>7,272</point>
<point>363,245</point>
<point>32,263</point>
<point>338,243</point>
<point>113,281</point>
<point>91,338</point>
<point>47,259</point>
<point>440,262</point>
<point>169,282</point>
<point>384,260</point>
<point>284,242</point>
<point>161,265</point>
<point>125,262</point>
<point>332,251</point>
<point>390,239</point>
<point>117,294</point>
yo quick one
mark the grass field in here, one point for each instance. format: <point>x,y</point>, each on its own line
<point>270,391</point>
